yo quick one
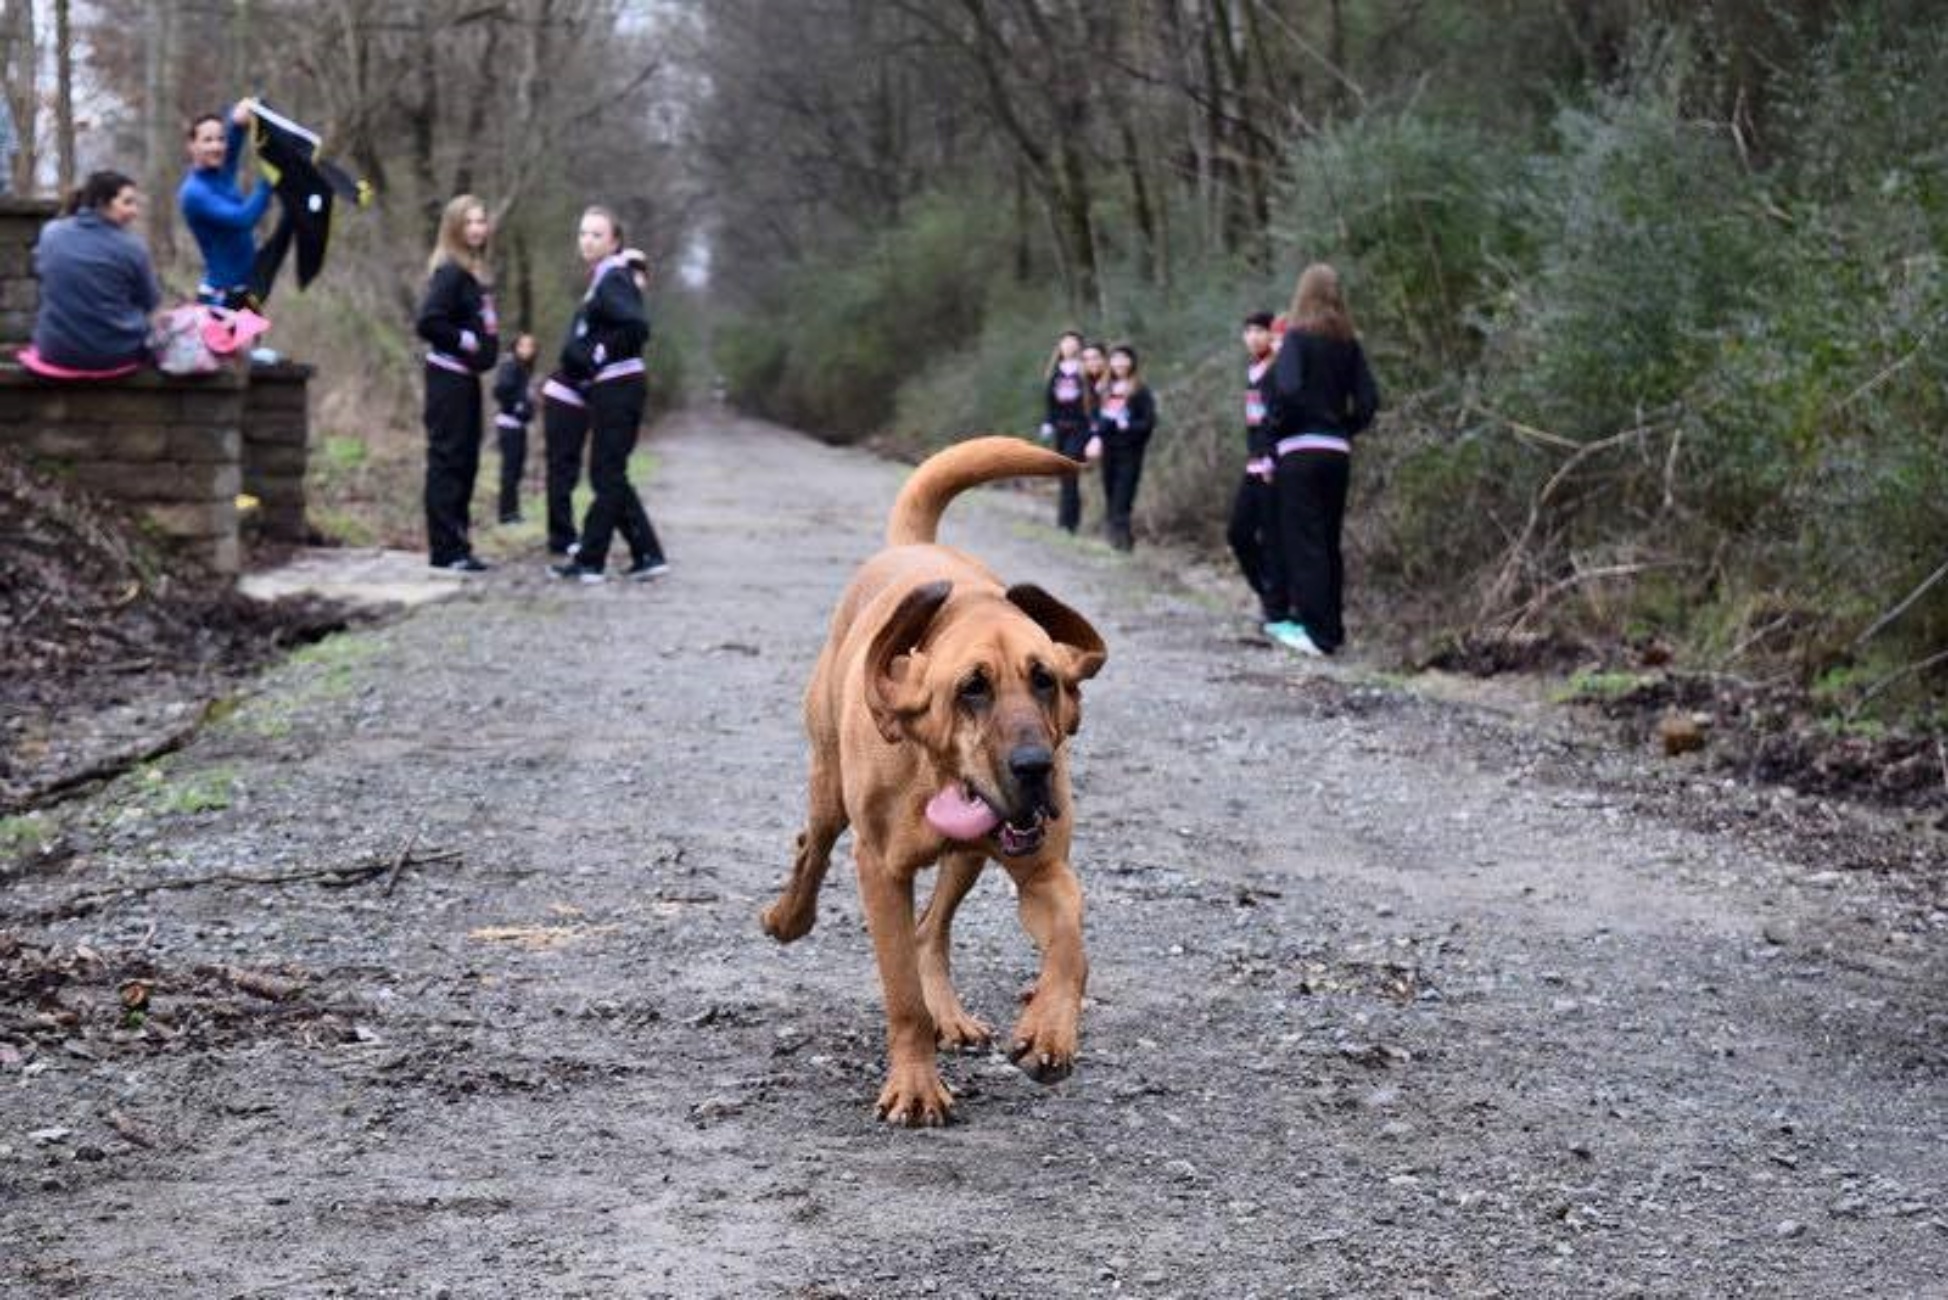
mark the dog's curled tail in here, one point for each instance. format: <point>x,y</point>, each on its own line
<point>945,475</point>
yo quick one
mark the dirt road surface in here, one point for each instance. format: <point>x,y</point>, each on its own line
<point>1390,996</point>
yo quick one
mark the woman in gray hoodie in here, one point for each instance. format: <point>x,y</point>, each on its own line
<point>98,288</point>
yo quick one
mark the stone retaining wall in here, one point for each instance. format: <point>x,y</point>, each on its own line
<point>20,293</point>
<point>170,447</point>
<point>276,447</point>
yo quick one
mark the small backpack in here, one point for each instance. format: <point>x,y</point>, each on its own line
<point>178,344</point>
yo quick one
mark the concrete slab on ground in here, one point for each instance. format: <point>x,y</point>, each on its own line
<point>366,576</point>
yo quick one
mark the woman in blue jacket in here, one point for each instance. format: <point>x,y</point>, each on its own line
<point>223,220</point>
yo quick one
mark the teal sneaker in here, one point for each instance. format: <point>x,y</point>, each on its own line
<point>1293,636</point>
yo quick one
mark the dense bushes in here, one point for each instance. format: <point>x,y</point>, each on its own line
<point>1647,375</point>
<point>830,353</point>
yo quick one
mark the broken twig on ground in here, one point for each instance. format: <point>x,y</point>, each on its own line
<point>336,877</point>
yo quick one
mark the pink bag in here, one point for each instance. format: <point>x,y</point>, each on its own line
<point>177,342</point>
<point>195,339</point>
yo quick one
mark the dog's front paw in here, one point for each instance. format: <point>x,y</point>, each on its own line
<point>1043,1045</point>
<point>958,1031</point>
<point>785,922</point>
<point>915,1096</point>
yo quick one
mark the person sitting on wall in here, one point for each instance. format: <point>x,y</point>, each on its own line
<point>98,287</point>
<point>223,220</point>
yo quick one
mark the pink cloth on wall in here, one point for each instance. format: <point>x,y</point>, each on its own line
<point>48,370</point>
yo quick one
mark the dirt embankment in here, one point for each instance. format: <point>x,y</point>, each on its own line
<point>433,969</point>
<point>112,650</point>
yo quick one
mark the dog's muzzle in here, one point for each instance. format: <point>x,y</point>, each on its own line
<point>1023,833</point>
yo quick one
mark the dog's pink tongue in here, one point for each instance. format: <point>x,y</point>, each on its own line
<point>960,816</point>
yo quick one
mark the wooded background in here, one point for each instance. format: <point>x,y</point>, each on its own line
<point>1654,290</point>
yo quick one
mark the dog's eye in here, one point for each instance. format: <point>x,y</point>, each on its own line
<point>975,690</point>
<point>1042,680</point>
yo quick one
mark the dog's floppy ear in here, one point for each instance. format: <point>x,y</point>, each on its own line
<point>895,671</point>
<point>1065,627</point>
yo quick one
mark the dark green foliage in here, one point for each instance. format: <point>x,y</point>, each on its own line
<point>832,351</point>
<point>1670,362</point>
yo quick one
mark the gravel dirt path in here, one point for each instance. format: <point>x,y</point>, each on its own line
<point>1391,995</point>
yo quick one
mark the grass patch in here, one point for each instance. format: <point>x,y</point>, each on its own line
<point>500,541</point>
<point>24,836</point>
<point>1598,687</point>
<point>330,667</point>
<point>211,790</point>
<point>343,454</point>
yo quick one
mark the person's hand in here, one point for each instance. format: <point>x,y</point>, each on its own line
<point>1093,449</point>
<point>638,263</point>
<point>1046,433</point>
<point>245,110</point>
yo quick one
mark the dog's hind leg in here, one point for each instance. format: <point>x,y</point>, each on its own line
<point>793,915</point>
<point>953,1027</point>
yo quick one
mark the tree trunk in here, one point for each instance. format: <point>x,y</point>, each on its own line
<point>21,69</point>
<point>421,116</point>
<point>1216,179</point>
<point>237,50</point>
<point>1075,218</point>
<point>158,115</point>
<point>1336,50</point>
<point>1141,209</point>
<point>523,284</point>
<point>483,100</point>
<point>1024,247</point>
<point>63,97</point>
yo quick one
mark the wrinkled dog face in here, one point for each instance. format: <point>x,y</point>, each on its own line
<point>1001,698</point>
<point>992,697</point>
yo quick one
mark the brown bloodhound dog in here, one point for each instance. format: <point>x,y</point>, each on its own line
<point>938,715</point>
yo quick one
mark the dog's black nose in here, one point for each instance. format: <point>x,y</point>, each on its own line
<point>1030,762</point>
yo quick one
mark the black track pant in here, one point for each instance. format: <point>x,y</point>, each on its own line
<point>513,442</point>
<point>615,418</point>
<point>452,460</point>
<point>1068,510</point>
<point>1311,507</point>
<point>564,433</point>
<point>1122,470</point>
<point>1253,534</point>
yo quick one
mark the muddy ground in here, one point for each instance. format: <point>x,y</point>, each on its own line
<point>1395,993</point>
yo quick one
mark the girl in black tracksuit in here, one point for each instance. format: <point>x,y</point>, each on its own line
<point>516,405</point>
<point>1125,418</point>
<point>1253,530</point>
<point>1323,396</point>
<point>602,363</point>
<point>456,317</point>
<point>1069,404</point>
